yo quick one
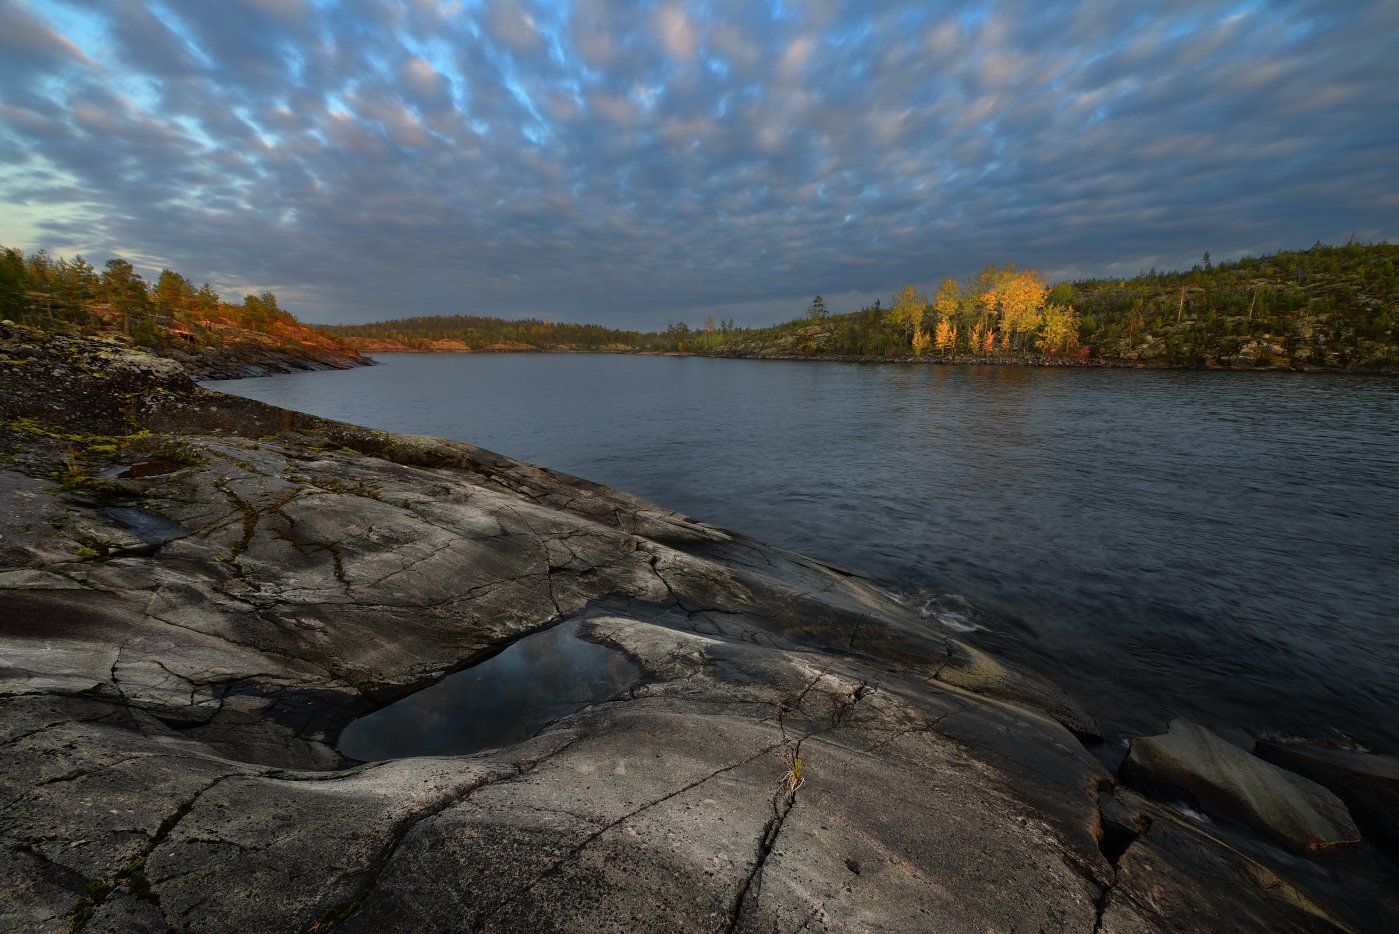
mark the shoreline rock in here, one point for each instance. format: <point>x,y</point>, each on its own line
<point>257,359</point>
<point>1368,784</point>
<point>1223,780</point>
<point>1075,363</point>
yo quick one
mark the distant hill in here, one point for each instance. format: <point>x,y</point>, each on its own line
<point>463,333</point>
<point>171,317</point>
<point>1323,307</point>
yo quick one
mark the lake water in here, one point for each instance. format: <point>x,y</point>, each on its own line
<point>1219,546</point>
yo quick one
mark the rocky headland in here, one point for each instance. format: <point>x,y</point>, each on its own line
<point>233,353</point>
<point>198,593</point>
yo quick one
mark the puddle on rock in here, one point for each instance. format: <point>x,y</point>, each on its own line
<point>147,526</point>
<point>501,701</point>
<point>140,470</point>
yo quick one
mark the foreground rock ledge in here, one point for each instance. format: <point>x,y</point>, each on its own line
<point>198,593</point>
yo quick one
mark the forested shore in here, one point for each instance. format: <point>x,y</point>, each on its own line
<point>1324,308</point>
<point>172,316</point>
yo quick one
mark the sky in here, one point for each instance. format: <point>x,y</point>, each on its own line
<point>639,164</point>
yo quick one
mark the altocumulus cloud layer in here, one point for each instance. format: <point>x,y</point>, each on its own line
<point>645,163</point>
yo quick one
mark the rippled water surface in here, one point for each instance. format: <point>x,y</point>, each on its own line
<point>1221,546</point>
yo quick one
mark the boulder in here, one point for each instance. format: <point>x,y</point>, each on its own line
<point>1191,763</point>
<point>1368,784</point>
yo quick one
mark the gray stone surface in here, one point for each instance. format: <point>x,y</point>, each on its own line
<point>1368,784</point>
<point>1191,763</point>
<point>168,718</point>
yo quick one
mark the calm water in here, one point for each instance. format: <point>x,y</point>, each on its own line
<point>498,702</point>
<point>1220,546</point>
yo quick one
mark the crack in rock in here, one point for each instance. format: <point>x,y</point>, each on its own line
<point>132,876</point>
<point>786,797</point>
<point>592,837</point>
<point>339,913</point>
<point>782,804</point>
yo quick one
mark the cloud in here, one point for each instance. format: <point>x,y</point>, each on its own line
<point>580,161</point>
<point>677,33</point>
<point>23,34</point>
<point>512,26</point>
<point>29,46</point>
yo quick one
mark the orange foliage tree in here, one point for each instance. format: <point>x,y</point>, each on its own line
<point>974,336</point>
<point>946,336</point>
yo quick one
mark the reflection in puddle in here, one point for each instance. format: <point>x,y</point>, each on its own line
<point>503,700</point>
<point>147,526</point>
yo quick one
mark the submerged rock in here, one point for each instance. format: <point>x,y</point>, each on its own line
<point>795,751</point>
<point>1223,780</point>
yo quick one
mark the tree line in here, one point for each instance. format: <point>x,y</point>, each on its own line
<point>480,332</point>
<point>40,290</point>
<point>1332,306</point>
<point>1001,311</point>
<point>1328,306</point>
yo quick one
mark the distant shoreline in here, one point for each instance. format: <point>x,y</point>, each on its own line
<point>1091,363</point>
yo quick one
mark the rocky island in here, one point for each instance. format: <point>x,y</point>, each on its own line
<point>200,593</point>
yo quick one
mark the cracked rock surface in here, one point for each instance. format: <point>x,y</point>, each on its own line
<point>800,753</point>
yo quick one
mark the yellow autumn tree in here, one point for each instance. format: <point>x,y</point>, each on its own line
<point>906,314</point>
<point>948,300</point>
<point>1059,329</point>
<point>974,335</point>
<point>1000,304</point>
<point>1016,299</point>
<point>946,336</point>
<point>921,341</point>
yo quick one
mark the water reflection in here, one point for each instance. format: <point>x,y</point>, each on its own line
<point>147,526</point>
<point>503,700</point>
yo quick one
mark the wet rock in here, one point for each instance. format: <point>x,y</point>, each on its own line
<point>148,527</point>
<point>1189,762</point>
<point>1172,876</point>
<point>977,671</point>
<point>1368,784</point>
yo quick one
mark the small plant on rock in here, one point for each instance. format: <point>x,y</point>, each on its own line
<point>792,778</point>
